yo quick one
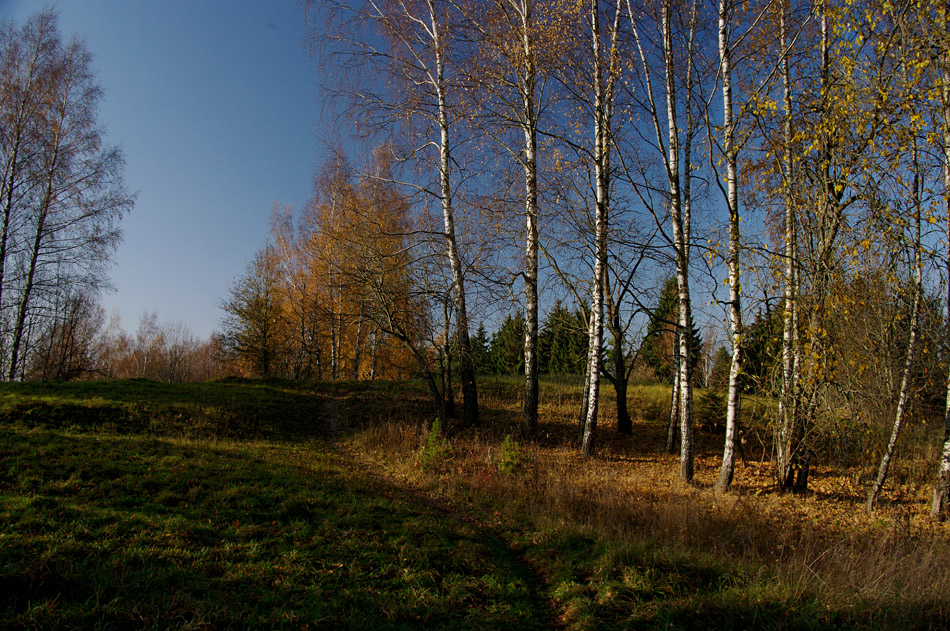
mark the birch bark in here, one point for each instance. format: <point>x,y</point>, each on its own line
<point>727,470</point>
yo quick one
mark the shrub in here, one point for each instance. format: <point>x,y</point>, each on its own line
<point>510,458</point>
<point>436,446</point>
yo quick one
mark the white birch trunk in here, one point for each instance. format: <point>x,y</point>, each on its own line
<point>680,246</point>
<point>727,470</point>
<point>600,231</point>
<point>941,500</point>
<point>466,366</point>
<point>788,402</point>
<point>529,124</point>
<point>904,396</point>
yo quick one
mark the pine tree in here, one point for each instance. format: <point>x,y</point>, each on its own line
<point>507,345</point>
<point>562,343</point>
<point>659,344</point>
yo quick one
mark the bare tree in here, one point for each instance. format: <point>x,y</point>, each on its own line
<point>507,72</point>
<point>62,204</point>
<point>68,347</point>
<point>605,70</point>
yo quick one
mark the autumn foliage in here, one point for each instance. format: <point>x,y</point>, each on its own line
<point>332,295</point>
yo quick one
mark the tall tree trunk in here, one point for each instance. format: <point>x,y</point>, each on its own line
<point>529,419</point>
<point>679,216</point>
<point>941,501</point>
<point>600,235</point>
<point>40,233</point>
<point>904,396</point>
<point>727,470</point>
<point>795,454</point>
<point>17,128</point>
<point>466,363</point>
<point>678,203</point>
<point>788,401</point>
<point>10,184</point>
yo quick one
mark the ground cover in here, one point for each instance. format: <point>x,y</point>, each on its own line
<point>623,543</point>
<point>100,529</point>
<point>135,504</point>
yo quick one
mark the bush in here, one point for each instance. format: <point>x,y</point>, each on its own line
<point>510,459</point>
<point>436,447</point>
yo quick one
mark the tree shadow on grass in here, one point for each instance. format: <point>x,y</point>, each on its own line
<point>230,408</point>
<point>138,532</point>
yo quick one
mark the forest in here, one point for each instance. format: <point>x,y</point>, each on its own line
<point>745,196</point>
<point>602,312</point>
<point>749,196</point>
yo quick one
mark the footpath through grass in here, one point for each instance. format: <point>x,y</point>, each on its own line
<point>228,505</point>
<point>107,527</point>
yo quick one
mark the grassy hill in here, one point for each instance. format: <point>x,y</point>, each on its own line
<point>249,504</point>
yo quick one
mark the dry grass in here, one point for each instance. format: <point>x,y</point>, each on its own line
<point>819,550</point>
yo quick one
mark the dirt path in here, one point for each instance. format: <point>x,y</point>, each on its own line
<point>361,465</point>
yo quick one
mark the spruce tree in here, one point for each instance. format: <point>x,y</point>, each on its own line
<point>659,344</point>
<point>562,343</point>
<point>507,345</point>
<point>481,351</point>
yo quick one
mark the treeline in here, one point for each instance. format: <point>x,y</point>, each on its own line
<point>562,347</point>
<point>787,163</point>
<point>86,345</point>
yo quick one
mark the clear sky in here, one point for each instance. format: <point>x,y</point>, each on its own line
<point>215,104</point>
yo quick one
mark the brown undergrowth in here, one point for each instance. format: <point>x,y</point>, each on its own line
<point>819,551</point>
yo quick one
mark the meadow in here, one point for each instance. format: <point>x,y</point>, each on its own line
<point>269,504</point>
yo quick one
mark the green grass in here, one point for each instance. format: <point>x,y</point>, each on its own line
<point>116,529</point>
<point>228,409</point>
<point>229,505</point>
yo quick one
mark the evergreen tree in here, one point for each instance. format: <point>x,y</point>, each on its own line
<point>762,351</point>
<point>659,344</point>
<point>562,343</point>
<point>507,346</point>
<point>719,375</point>
<point>481,351</point>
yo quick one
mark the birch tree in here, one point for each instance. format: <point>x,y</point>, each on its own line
<point>419,43</point>
<point>941,497</point>
<point>605,68</point>
<point>730,152</point>
<point>673,143</point>
<point>62,190</point>
<point>507,78</point>
<point>791,349</point>
<point>901,411</point>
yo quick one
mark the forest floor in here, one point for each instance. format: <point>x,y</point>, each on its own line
<point>266,504</point>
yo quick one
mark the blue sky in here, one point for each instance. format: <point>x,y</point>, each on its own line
<point>216,107</point>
